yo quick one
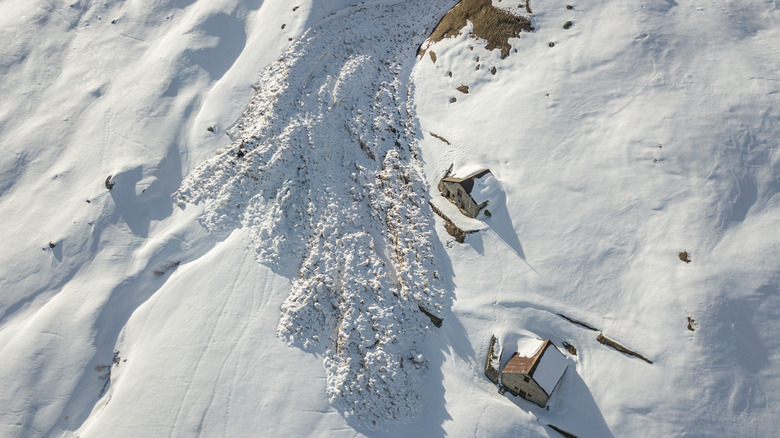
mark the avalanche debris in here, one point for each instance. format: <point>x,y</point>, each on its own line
<point>324,169</point>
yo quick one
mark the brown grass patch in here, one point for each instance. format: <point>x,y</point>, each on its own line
<point>491,24</point>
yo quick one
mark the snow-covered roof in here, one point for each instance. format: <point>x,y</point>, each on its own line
<point>550,368</point>
<point>539,359</point>
<point>528,347</point>
<point>452,213</point>
<point>485,188</point>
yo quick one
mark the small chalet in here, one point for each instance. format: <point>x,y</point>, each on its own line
<point>534,371</point>
<point>460,191</point>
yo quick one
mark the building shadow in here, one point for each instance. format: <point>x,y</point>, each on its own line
<point>500,224</point>
<point>571,408</point>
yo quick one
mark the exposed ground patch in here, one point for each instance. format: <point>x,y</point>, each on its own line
<point>491,24</point>
<point>440,138</point>
<point>579,323</point>
<point>610,343</point>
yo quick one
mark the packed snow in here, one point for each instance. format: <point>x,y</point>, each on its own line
<point>270,281</point>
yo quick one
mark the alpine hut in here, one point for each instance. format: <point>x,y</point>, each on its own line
<point>534,370</point>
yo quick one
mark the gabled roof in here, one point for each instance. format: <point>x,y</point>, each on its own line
<point>542,361</point>
<point>467,182</point>
<point>524,362</point>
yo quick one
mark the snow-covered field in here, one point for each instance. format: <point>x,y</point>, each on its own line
<point>270,282</point>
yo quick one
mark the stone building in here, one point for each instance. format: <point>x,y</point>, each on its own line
<point>534,370</point>
<point>460,192</point>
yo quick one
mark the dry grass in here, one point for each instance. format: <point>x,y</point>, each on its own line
<point>491,24</point>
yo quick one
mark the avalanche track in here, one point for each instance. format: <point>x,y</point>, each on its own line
<point>324,171</point>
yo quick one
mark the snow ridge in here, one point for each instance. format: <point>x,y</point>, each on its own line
<point>324,170</point>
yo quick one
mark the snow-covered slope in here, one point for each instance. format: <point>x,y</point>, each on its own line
<point>276,287</point>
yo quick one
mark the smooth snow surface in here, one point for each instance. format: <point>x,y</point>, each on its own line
<point>269,282</point>
<point>551,367</point>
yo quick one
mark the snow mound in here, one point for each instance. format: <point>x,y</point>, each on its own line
<point>324,171</point>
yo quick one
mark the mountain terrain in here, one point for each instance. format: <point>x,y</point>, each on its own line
<point>217,216</point>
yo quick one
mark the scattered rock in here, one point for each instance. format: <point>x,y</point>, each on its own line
<point>449,74</point>
<point>210,129</point>
<point>552,44</point>
<point>567,25</point>
<point>684,257</point>
<point>453,100</point>
<point>691,324</point>
<point>569,7</point>
<point>433,56</point>
<point>52,244</point>
<point>493,70</point>
<point>110,184</point>
<point>296,8</point>
<point>284,25</point>
<point>463,89</point>
<point>570,348</point>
